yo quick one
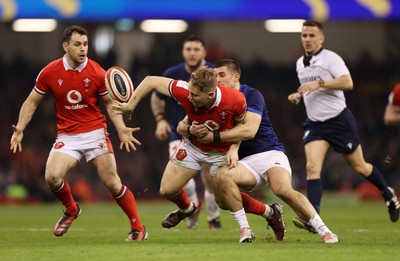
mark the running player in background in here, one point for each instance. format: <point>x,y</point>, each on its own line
<point>194,54</point>
<point>324,76</point>
<point>262,162</point>
<point>77,83</point>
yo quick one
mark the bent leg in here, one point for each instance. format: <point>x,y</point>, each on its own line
<point>371,173</point>
<point>57,166</point>
<point>107,171</point>
<point>172,182</point>
<point>315,154</point>
<point>212,207</point>
<point>281,184</point>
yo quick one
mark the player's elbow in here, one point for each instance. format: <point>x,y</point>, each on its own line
<point>347,83</point>
<point>389,121</point>
<point>249,134</point>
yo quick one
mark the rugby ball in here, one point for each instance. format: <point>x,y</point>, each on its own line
<point>118,83</point>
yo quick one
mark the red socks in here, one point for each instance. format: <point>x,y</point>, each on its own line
<point>252,206</point>
<point>65,196</point>
<point>181,200</point>
<point>126,201</point>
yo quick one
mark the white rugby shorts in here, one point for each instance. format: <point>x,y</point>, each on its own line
<point>258,164</point>
<point>89,144</point>
<point>173,145</point>
<point>189,156</point>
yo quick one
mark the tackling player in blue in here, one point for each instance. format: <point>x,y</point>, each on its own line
<point>262,162</point>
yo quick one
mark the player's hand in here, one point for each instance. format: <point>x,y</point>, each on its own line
<point>207,138</point>
<point>308,87</point>
<point>122,109</point>
<point>198,129</point>
<point>127,139</point>
<point>163,130</point>
<point>294,98</point>
<point>16,139</point>
<point>232,158</point>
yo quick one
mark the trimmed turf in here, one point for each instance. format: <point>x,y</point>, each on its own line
<point>26,233</point>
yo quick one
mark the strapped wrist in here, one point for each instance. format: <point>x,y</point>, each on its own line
<point>188,130</point>
<point>321,83</point>
<point>217,136</point>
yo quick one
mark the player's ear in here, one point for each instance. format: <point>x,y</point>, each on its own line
<point>65,45</point>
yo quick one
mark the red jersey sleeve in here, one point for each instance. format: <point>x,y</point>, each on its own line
<point>394,97</point>
<point>41,85</point>
<point>179,90</point>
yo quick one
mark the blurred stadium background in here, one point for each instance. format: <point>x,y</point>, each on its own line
<point>366,33</point>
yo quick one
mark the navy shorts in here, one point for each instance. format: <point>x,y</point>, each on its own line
<point>340,132</point>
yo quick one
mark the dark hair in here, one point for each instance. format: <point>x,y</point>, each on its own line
<point>194,38</point>
<point>205,79</point>
<point>314,23</point>
<point>73,29</point>
<point>230,63</point>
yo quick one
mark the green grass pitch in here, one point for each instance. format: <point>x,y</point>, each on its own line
<point>26,233</point>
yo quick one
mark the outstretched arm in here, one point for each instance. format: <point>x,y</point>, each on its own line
<point>149,84</point>
<point>124,133</point>
<point>28,108</point>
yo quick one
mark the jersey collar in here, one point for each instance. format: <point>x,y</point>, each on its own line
<point>217,98</point>
<point>79,68</point>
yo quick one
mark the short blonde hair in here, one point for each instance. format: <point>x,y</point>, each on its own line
<point>205,79</point>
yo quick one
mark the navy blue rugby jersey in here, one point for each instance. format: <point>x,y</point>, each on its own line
<point>265,139</point>
<point>177,72</point>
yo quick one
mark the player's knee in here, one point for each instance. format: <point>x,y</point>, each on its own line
<point>221,204</point>
<point>362,169</point>
<point>53,181</point>
<point>313,171</point>
<point>282,191</point>
<point>166,193</point>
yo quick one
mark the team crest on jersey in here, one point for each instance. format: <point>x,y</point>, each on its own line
<point>211,125</point>
<point>86,83</point>
<point>181,154</point>
<point>58,145</point>
<point>223,115</point>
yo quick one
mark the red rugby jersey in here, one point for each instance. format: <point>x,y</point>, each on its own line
<point>229,104</point>
<point>394,97</point>
<point>76,94</point>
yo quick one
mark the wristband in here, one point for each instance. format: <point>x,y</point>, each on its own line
<point>159,117</point>
<point>188,130</point>
<point>217,137</point>
<point>321,83</point>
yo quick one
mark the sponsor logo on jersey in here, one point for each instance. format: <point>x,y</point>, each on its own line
<point>60,82</point>
<point>211,125</point>
<point>75,97</point>
<point>181,154</point>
